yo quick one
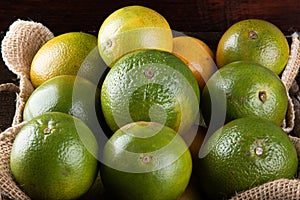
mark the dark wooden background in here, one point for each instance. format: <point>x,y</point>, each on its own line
<point>205,19</point>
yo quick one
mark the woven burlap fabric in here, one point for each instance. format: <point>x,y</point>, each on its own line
<point>288,76</point>
<point>18,59</point>
<point>20,44</point>
<point>7,184</point>
<point>18,47</point>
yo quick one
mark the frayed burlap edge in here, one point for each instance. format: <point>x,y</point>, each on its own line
<point>7,185</point>
<point>288,76</point>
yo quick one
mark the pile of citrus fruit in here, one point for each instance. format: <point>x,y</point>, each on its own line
<point>137,113</point>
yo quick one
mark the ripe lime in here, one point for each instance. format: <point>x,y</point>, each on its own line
<point>150,85</point>
<point>250,90</point>
<point>131,28</point>
<point>197,55</point>
<point>151,156</point>
<point>245,153</point>
<point>62,55</point>
<point>53,157</point>
<point>66,93</point>
<point>254,40</point>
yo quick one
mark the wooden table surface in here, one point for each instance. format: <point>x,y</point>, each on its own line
<point>205,19</point>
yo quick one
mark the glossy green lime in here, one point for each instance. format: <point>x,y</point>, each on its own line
<point>53,157</point>
<point>242,154</point>
<point>150,85</point>
<point>145,161</point>
<point>248,89</point>
<point>68,94</point>
<point>254,40</point>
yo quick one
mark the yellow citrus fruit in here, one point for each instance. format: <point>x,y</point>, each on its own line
<point>254,40</point>
<point>152,156</point>
<point>150,85</point>
<point>62,55</point>
<point>131,28</point>
<point>242,154</point>
<point>69,94</point>
<point>249,89</point>
<point>53,157</point>
<point>197,55</point>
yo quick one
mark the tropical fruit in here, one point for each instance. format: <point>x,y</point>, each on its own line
<point>248,89</point>
<point>197,55</point>
<point>53,157</point>
<point>70,94</point>
<point>254,40</point>
<point>150,85</point>
<point>131,28</point>
<point>242,154</point>
<point>152,156</point>
<point>62,55</point>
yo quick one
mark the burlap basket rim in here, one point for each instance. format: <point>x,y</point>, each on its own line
<point>277,189</point>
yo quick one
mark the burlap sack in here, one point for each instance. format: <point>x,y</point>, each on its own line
<point>23,40</point>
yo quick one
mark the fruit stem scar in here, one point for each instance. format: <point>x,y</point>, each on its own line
<point>148,73</point>
<point>252,35</point>
<point>258,151</point>
<point>108,43</point>
<point>47,131</point>
<point>146,159</point>
<point>262,95</point>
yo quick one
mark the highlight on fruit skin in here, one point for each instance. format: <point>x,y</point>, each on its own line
<point>132,28</point>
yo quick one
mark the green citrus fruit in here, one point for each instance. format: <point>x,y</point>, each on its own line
<point>245,153</point>
<point>131,28</point>
<point>150,85</point>
<point>146,160</point>
<point>66,93</point>
<point>62,55</point>
<point>254,40</point>
<point>249,90</point>
<point>53,157</point>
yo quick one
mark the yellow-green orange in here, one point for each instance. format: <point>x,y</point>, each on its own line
<point>254,40</point>
<point>150,85</point>
<point>68,94</point>
<point>146,161</point>
<point>242,154</point>
<point>249,89</point>
<point>53,157</point>
<point>197,55</point>
<point>62,55</point>
<point>131,28</point>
